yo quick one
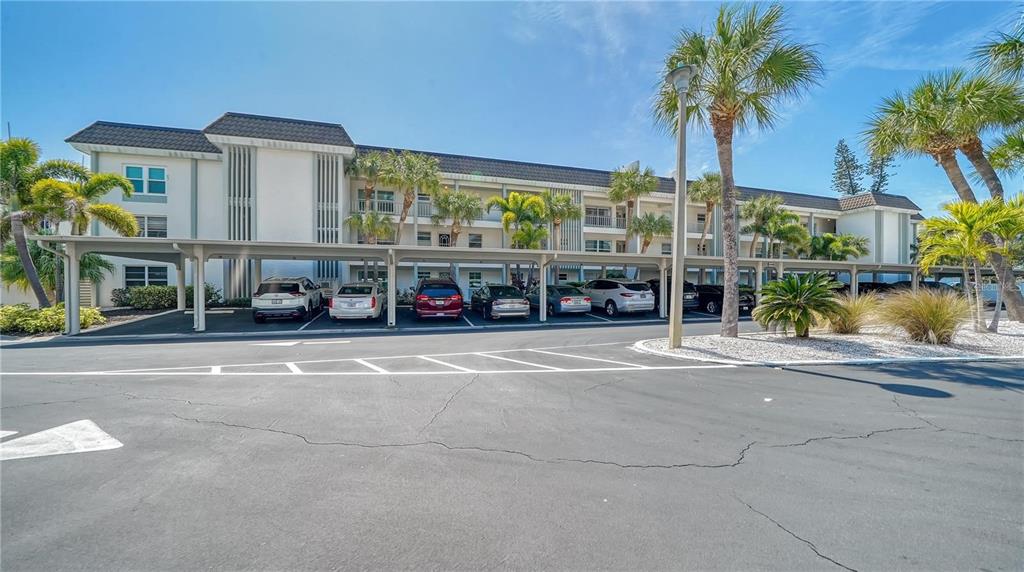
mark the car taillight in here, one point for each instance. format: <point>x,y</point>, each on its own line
<point>565,300</point>
<point>255,294</point>
<point>422,297</point>
<point>588,299</point>
<point>373,302</point>
<point>626,295</point>
<point>457,298</point>
<point>525,301</point>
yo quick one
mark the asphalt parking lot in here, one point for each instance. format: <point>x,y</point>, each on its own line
<point>533,449</point>
<point>239,320</point>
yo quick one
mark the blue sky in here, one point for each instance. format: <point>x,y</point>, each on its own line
<point>556,83</point>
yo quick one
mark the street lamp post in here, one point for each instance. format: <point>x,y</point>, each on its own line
<point>680,79</point>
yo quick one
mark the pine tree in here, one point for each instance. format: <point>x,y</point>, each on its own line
<point>848,172</point>
<point>878,170</point>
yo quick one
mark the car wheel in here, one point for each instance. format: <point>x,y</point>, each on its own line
<point>711,307</point>
<point>610,308</point>
<point>551,310</point>
<point>488,313</point>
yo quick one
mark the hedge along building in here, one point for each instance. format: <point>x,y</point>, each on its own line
<point>270,179</point>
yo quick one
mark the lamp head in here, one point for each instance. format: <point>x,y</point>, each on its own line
<point>680,77</point>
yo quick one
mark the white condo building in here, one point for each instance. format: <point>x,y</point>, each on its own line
<point>255,178</point>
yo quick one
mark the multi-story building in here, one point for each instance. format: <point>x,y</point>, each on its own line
<point>249,177</point>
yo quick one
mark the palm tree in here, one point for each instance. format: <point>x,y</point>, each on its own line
<point>800,301</point>
<point>708,190</point>
<point>746,66</point>
<point>530,236</point>
<point>559,208</point>
<point>1007,154</point>
<point>516,209</point>
<point>649,225</point>
<point>759,211</point>
<point>629,184</point>
<point>830,246</point>
<point>1010,237</point>
<point>785,228</point>
<point>368,166</point>
<point>962,234</point>
<point>373,227</point>
<point>408,172</point>
<point>91,266</point>
<point>459,207</point>
<point>77,202</point>
<point>1004,53</point>
<point>19,170</point>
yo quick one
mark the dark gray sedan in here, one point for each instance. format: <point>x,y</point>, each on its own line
<point>561,299</point>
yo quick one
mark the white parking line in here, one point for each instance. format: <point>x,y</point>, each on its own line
<point>215,369</point>
<point>446,364</point>
<point>633,365</point>
<point>518,361</point>
<point>327,342</point>
<point>368,373</point>
<point>292,367</point>
<point>375,368</point>
<point>471,324</point>
<point>306,325</point>
<point>598,317</point>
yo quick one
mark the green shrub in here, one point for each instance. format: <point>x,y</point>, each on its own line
<point>212,295</point>
<point>855,313</point>
<point>22,319</point>
<point>799,301</point>
<point>119,297</point>
<point>243,302</point>
<point>930,316</point>
<point>165,297</point>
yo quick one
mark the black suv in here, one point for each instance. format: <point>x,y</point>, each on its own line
<point>691,300</point>
<point>711,298</point>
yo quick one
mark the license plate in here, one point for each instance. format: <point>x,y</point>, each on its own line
<point>275,301</point>
<point>744,307</point>
<point>577,300</point>
<point>438,302</point>
<point>350,304</point>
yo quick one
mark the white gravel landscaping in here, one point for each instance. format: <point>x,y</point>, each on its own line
<point>873,345</point>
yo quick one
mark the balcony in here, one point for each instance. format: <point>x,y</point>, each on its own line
<point>425,209</point>
<point>381,206</point>
<point>697,228</point>
<point>604,221</point>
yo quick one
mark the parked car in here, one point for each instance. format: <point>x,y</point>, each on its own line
<point>711,298</point>
<point>500,301</point>
<point>617,296</point>
<point>929,284</point>
<point>357,300</point>
<point>294,297</point>
<point>880,289</point>
<point>561,299</point>
<point>691,300</point>
<point>438,298</point>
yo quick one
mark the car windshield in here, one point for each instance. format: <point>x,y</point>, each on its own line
<point>566,291</point>
<point>277,288</point>
<point>355,290</point>
<point>709,288</point>
<point>505,291</point>
<point>637,286</point>
<point>438,291</point>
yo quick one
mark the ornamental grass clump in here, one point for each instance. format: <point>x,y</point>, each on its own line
<point>855,313</point>
<point>927,316</point>
<point>798,301</point>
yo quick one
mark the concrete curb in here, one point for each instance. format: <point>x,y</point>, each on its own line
<point>132,321</point>
<point>640,346</point>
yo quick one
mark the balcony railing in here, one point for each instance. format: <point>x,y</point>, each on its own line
<point>697,227</point>
<point>381,206</point>
<point>604,221</point>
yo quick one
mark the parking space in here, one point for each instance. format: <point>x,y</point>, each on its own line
<point>239,321</point>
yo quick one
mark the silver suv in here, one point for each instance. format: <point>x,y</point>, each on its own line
<point>294,298</point>
<point>616,296</point>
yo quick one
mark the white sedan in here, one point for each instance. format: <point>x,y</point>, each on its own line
<point>357,300</point>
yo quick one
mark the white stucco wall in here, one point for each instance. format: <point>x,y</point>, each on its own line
<point>861,223</point>
<point>284,195</point>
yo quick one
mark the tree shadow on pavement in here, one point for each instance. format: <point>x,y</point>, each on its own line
<point>900,388</point>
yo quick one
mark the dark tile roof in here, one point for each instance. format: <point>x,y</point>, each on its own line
<point>916,217</point>
<point>798,200</point>
<point>145,136</point>
<point>877,199</point>
<point>279,128</point>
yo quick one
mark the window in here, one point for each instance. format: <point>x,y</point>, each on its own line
<point>370,276</point>
<point>475,278</point>
<point>145,276</point>
<point>423,275</point>
<point>445,275</point>
<point>701,218</point>
<point>598,246</point>
<point>476,241</point>
<point>620,246</point>
<point>562,276</point>
<point>444,239</point>
<point>152,226</point>
<point>152,180</point>
<point>666,248</point>
<point>423,238</point>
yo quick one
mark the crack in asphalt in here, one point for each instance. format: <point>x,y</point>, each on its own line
<point>442,444</point>
<point>125,394</point>
<point>449,402</point>
<point>939,428</point>
<point>867,435</point>
<point>798,537</point>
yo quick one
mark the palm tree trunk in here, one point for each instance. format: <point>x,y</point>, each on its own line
<point>31,274</point>
<point>967,292</point>
<point>753,243</point>
<point>1008,285</point>
<point>557,228</point>
<point>947,160</point>
<point>407,199</point>
<point>975,153</point>
<point>58,280</point>
<point>368,198</point>
<point>994,324</point>
<point>979,326</point>
<point>708,207</point>
<point>723,130</point>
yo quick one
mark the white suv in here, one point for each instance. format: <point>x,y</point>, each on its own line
<point>294,298</point>
<point>616,296</point>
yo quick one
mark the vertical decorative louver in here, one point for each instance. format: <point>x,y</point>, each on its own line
<point>240,182</point>
<point>328,174</point>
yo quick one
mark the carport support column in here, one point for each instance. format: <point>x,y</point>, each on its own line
<point>72,295</point>
<point>199,290</point>
<point>662,290</point>
<point>758,282</point>
<point>854,282</point>
<point>914,277</point>
<point>180,269</point>
<point>543,300</point>
<point>257,273</point>
<point>392,285</point>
